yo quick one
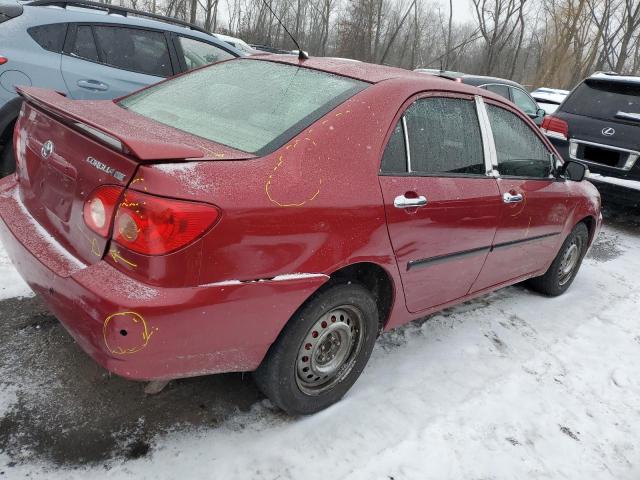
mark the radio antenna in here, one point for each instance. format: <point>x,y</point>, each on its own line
<point>301,53</point>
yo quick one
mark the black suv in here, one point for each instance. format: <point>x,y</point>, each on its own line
<point>599,124</point>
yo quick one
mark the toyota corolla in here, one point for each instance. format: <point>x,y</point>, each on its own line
<point>274,215</point>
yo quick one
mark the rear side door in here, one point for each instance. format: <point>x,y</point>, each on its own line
<point>535,204</point>
<point>104,61</point>
<point>442,207</point>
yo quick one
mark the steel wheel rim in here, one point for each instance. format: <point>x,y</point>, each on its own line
<point>329,350</point>
<point>569,262</point>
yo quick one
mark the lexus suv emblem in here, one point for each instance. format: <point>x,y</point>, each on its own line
<point>47,149</point>
<point>608,131</point>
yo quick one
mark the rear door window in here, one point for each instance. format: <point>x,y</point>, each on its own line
<point>50,37</point>
<point>444,137</point>
<point>394,159</point>
<point>524,102</point>
<point>197,54</point>
<point>603,99</point>
<point>136,50</point>
<point>84,45</point>
<point>501,90</point>
<point>520,152</point>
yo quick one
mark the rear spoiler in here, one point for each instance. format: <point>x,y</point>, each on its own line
<point>123,130</point>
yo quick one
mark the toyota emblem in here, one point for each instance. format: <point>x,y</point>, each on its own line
<point>47,149</point>
<point>608,131</point>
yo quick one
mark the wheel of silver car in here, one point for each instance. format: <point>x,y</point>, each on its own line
<point>329,350</point>
<point>322,350</point>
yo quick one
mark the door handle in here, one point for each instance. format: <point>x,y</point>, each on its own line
<point>93,85</point>
<point>403,202</point>
<point>512,198</point>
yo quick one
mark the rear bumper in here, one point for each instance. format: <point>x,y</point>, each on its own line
<point>143,332</point>
<point>617,182</point>
<point>626,179</point>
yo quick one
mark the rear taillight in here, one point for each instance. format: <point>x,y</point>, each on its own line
<point>3,60</point>
<point>554,127</point>
<point>155,225</point>
<point>99,208</point>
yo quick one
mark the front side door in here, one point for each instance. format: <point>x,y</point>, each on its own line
<point>442,208</point>
<point>535,204</point>
<point>104,61</point>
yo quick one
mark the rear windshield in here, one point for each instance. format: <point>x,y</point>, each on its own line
<point>249,105</point>
<point>604,100</point>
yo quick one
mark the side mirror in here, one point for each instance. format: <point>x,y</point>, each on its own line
<point>573,170</point>
<point>540,112</point>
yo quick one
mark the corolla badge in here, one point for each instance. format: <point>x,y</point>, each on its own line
<point>106,168</point>
<point>608,131</point>
<point>47,149</point>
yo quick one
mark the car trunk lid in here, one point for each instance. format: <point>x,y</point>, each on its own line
<point>66,150</point>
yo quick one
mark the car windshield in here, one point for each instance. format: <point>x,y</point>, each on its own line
<point>249,105</point>
<point>604,99</point>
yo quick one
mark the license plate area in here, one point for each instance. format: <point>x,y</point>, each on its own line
<point>604,156</point>
<point>58,188</point>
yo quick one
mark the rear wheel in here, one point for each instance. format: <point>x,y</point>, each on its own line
<point>565,266</point>
<point>321,351</point>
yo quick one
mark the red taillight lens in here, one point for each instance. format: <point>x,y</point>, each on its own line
<point>554,127</point>
<point>3,60</point>
<point>155,225</point>
<point>99,207</point>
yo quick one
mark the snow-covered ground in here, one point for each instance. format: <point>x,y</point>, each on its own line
<point>11,283</point>
<point>510,386</point>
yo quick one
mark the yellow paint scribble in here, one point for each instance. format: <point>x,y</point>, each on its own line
<point>139,180</point>
<point>93,242</point>
<point>137,318</point>
<point>267,185</point>
<point>115,254</point>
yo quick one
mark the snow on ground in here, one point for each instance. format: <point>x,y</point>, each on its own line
<point>11,283</point>
<point>510,386</point>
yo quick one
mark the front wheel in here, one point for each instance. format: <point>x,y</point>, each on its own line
<point>565,266</point>
<point>321,351</point>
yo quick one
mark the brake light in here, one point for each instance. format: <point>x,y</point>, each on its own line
<point>154,225</point>
<point>99,207</point>
<point>3,60</point>
<point>554,127</point>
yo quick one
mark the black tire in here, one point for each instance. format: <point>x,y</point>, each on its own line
<point>281,376</point>
<point>557,278</point>
<point>7,160</point>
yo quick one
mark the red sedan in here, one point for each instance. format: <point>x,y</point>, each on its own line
<point>275,215</point>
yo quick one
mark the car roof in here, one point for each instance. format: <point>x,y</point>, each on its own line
<point>476,80</point>
<point>614,77</point>
<point>374,73</point>
<point>43,14</point>
<point>368,72</point>
<point>482,80</point>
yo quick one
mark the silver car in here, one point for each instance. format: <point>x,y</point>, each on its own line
<point>89,50</point>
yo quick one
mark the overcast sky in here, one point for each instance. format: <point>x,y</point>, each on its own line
<point>462,10</point>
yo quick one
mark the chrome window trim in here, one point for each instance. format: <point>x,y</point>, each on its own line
<point>631,160</point>
<point>488,143</point>
<point>406,143</point>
